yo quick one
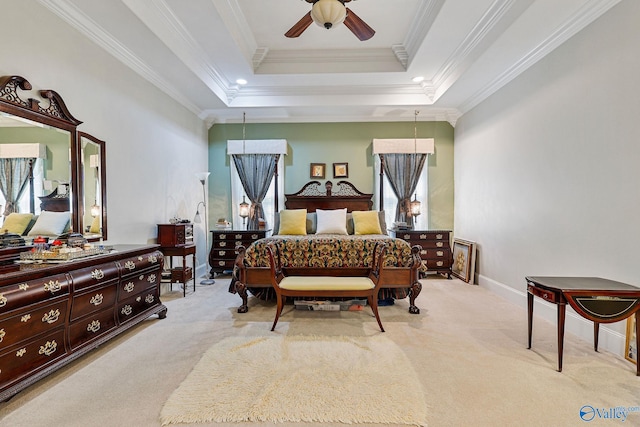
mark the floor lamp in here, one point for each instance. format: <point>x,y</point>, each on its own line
<point>203,180</point>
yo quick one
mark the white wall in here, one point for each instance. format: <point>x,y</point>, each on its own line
<point>154,145</point>
<point>546,170</point>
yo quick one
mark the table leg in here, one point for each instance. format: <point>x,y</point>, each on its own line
<point>596,333</point>
<point>637,342</point>
<point>530,315</point>
<point>562,309</point>
<point>184,269</point>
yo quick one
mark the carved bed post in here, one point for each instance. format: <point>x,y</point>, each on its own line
<point>416,286</point>
<point>239,280</point>
<point>381,182</point>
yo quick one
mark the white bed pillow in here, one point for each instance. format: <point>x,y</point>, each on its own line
<point>50,224</point>
<point>332,221</point>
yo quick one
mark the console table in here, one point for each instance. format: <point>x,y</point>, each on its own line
<point>596,299</point>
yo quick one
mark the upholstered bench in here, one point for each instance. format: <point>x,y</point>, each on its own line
<point>326,286</point>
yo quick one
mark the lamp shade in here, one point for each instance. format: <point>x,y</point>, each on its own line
<point>415,206</point>
<point>328,13</point>
<point>244,208</point>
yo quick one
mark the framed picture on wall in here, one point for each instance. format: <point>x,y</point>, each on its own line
<point>317,170</point>
<point>464,259</point>
<point>341,170</point>
<point>630,349</point>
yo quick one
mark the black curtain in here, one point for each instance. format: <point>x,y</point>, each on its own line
<point>14,176</point>
<point>403,172</point>
<point>255,172</point>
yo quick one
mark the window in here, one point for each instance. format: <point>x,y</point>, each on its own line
<point>421,222</point>
<point>24,202</point>
<point>268,204</point>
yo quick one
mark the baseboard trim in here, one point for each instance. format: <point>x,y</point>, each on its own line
<point>609,340</point>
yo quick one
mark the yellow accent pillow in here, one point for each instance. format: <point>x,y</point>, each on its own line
<point>366,222</point>
<point>293,222</point>
<point>16,222</point>
<point>95,225</point>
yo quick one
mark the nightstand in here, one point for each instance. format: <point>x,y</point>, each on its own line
<point>436,247</point>
<point>224,243</point>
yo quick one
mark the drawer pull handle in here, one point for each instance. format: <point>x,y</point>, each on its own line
<point>406,236</point>
<point>223,244</point>
<point>152,259</point>
<point>129,287</point>
<point>93,326</point>
<point>221,253</point>
<point>21,352</point>
<point>52,286</point>
<point>423,236</point>
<point>423,252</point>
<point>545,296</point>
<point>3,300</point>
<point>25,318</point>
<point>439,244</point>
<point>439,253</point>
<point>254,236</point>
<point>51,317</point>
<point>238,236</point>
<point>96,299</point>
<point>439,263</point>
<point>49,348</point>
<point>151,278</point>
<point>23,286</point>
<point>127,310</point>
<point>130,265</point>
<point>438,236</point>
<point>221,263</point>
<point>97,274</point>
<point>223,236</point>
<point>2,334</point>
<point>149,299</point>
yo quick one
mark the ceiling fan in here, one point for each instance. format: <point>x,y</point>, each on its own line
<point>329,13</point>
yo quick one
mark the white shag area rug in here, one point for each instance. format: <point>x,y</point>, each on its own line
<point>300,379</point>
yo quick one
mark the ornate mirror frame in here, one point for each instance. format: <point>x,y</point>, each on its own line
<point>51,110</point>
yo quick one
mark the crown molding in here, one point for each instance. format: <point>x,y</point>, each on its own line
<point>588,13</point>
<point>426,15</point>
<point>85,25</point>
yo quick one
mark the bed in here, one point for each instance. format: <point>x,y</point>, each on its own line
<point>329,254</point>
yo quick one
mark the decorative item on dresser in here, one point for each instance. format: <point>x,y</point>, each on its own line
<point>436,247</point>
<point>177,240</point>
<point>224,247</point>
<point>51,314</point>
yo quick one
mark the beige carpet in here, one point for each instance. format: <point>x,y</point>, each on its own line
<point>300,379</point>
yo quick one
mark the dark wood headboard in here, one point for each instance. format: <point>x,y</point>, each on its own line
<point>314,196</point>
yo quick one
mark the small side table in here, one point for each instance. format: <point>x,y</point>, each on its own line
<point>185,273</point>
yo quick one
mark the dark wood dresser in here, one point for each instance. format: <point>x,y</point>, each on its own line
<point>436,247</point>
<point>51,314</point>
<point>223,247</point>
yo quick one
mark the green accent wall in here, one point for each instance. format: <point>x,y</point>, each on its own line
<point>335,143</point>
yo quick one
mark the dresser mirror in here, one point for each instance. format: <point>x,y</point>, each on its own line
<point>43,165</point>
<point>93,178</point>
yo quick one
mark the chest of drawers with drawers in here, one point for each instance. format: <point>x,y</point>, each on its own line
<point>436,248</point>
<point>52,314</point>
<point>224,244</point>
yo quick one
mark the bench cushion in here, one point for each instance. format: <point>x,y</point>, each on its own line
<point>326,283</point>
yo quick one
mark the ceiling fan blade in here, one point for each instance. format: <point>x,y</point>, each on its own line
<point>358,26</point>
<point>300,26</point>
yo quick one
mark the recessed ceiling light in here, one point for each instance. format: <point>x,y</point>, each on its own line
<point>417,79</point>
<point>241,81</point>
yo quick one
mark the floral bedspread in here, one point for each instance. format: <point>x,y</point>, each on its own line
<point>331,250</point>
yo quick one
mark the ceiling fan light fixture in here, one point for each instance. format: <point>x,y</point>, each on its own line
<point>328,13</point>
